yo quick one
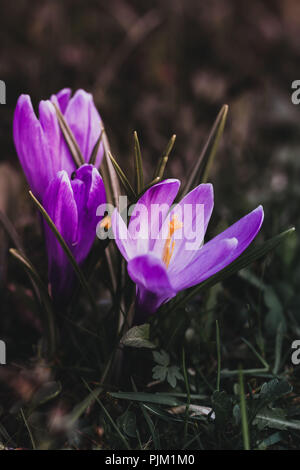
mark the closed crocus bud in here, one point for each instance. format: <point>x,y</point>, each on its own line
<point>71,202</point>
<point>40,144</point>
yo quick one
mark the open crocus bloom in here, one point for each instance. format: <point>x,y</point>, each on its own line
<point>71,203</point>
<point>163,258</point>
<point>40,144</point>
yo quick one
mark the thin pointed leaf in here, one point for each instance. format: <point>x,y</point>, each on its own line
<point>248,257</point>
<point>109,174</point>
<point>138,163</point>
<point>112,189</point>
<point>204,162</point>
<point>123,178</point>
<point>69,138</point>
<point>243,408</point>
<point>218,356</point>
<point>79,409</point>
<point>121,436</point>
<point>48,320</point>
<point>11,231</point>
<point>94,153</point>
<point>144,397</point>
<point>159,172</point>
<point>215,145</point>
<point>67,251</point>
<point>154,433</point>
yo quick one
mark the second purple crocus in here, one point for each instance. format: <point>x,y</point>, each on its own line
<point>40,144</point>
<point>159,262</point>
<point>71,202</point>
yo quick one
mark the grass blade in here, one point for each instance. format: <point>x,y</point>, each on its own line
<point>215,145</point>
<point>94,153</point>
<point>218,355</point>
<point>79,409</point>
<point>48,320</point>
<point>154,434</point>
<point>159,172</point>
<point>138,163</point>
<point>123,178</point>
<point>28,429</point>
<point>123,439</point>
<point>201,170</point>
<point>188,393</point>
<point>112,188</point>
<point>157,398</point>
<point>244,418</point>
<point>278,348</point>
<point>69,138</point>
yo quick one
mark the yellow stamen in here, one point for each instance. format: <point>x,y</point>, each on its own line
<point>106,223</point>
<point>168,250</point>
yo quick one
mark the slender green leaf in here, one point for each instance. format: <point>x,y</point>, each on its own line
<point>28,429</point>
<point>218,356</point>
<point>157,398</point>
<point>188,394</point>
<point>154,433</point>
<point>138,163</point>
<point>278,348</point>
<point>112,189</point>
<point>243,408</point>
<point>123,439</point>
<point>159,172</point>
<point>69,138</point>
<point>79,409</point>
<point>275,418</point>
<point>49,318</point>
<point>95,150</point>
<point>201,170</point>
<point>123,178</point>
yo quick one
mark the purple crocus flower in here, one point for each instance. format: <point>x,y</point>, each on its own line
<point>40,144</point>
<point>71,203</point>
<point>161,263</point>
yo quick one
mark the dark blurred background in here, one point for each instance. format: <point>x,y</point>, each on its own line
<point>165,67</point>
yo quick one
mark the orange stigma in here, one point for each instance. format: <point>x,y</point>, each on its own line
<point>168,250</point>
<point>106,223</point>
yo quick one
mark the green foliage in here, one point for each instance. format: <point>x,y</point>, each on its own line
<point>163,371</point>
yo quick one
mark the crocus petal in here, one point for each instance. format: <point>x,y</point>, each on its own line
<point>243,231</point>
<point>89,193</point>
<point>60,204</point>
<point>50,126</point>
<point>32,147</point>
<point>150,212</point>
<point>193,213</point>
<point>85,123</point>
<point>153,284</point>
<point>211,258</point>
<point>63,97</point>
<point>125,243</point>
